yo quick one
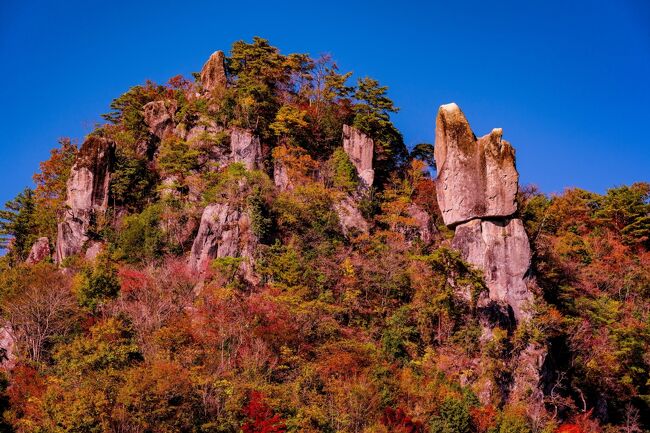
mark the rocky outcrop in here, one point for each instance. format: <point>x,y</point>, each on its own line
<point>87,195</point>
<point>350,217</point>
<point>39,252</point>
<point>360,148</point>
<point>159,117</point>
<point>419,225</point>
<point>501,249</point>
<point>476,190</point>
<point>245,148</point>
<point>213,74</point>
<point>7,347</point>
<point>281,177</point>
<point>225,231</point>
<point>477,178</point>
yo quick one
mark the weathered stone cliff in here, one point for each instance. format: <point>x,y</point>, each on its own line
<point>360,150</point>
<point>225,231</point>
<point>476,189</point>
<point>87,195</point>
<point>159,117</point>
<point>245,148</point>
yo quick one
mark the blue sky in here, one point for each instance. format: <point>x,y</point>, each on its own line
<point>568,81</point>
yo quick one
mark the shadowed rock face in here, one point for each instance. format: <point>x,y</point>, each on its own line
<point>501,249</point>
<point>87,195</point>
<point>39,252</point>
<point>359,148</point>
<point>477,178</point>
<point>213,74</point>
<point>225,231</point>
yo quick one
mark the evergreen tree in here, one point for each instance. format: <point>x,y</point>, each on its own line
<point>17,225</point>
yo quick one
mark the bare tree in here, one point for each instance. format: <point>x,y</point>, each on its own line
<point>42,309</point>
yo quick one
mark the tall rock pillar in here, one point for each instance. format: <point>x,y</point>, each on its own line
<point>476,190</point>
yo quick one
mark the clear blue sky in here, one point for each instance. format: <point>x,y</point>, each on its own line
<point>568,81</point>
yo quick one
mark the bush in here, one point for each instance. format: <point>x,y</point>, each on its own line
<point>98,284</point>
<point>142,239</point>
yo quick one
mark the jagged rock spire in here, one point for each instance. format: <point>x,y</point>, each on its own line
<point>213,74</point>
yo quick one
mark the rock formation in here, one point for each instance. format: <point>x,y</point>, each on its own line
<point>477,178</point>
<point>420,226</point>
<point>245,148</point>
<point>359,148</point>
<point>7,347</point>
<point>225,231</point>
<point>87,195</point>
<point>39,252</point>
<point>159,117</point>
<point>213,74</point>
<point>501,249</point>
<point>281,176</point>
<point>350,217</point>
<point>476,189</point>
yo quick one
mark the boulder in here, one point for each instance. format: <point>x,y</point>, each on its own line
<point>159,117</point>
<point>213,74</point>
<point>225,231</point>
<point>350,217</point>
<point>39,252</point>
<point>500,248</point>
<point>245,148</point>
<point>87,195</point>
<point>359,148</point>
<point>477,178</point>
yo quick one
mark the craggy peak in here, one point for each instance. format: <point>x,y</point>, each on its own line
<point>256,249</point>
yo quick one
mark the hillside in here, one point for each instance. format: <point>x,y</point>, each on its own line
<point>256,250</point>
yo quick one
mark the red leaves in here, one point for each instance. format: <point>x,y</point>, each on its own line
<point>569,428</point>
<point>27,387</point>
<point>260,417</point>
<point>483,418</point>
<point>397,421</point>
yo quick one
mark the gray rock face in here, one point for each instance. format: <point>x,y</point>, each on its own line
<point>213,74</point>
<point>359,148</point>
<point>350,217</point>
<point>7,347</point>
<point>476,178</point>
<point>421,225</point>
<point>501,249</point>
<point>207,136</point>
<point>281,176</point>
<point>225,231</point>
<point>245,148</point>
<point>39,252</point>
<point>87,195</point>
<point>159,117</point>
